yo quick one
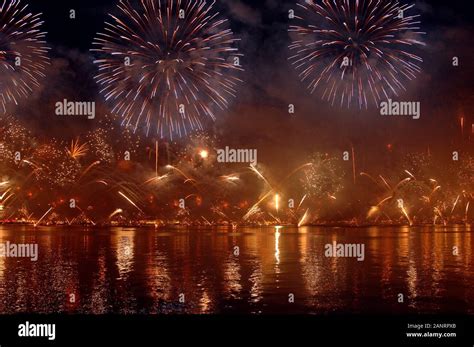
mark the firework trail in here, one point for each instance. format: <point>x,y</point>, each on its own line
<point>23,52</point>
<point>356,51</point>
<point>116,212</point>
<point>232,179</point>
<point>303,219</point>
<point>43,216</point>
<point>401,206</point>
<point>131,202</point>
<point>259,174</point>
<point>167,65</point>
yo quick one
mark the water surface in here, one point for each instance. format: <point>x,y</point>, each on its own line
<point>127,270</point>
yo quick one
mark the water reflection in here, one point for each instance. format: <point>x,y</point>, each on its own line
<point>277,247</point>
<point>148,271</point>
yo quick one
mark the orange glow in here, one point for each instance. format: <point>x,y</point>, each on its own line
<point>204,154</point>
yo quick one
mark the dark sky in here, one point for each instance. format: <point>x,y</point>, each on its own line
<point>258,117</point>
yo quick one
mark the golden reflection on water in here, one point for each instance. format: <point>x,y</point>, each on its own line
<point>232,277</point>
<point>310,263</point>
<point>277,248</point>
<point>124,244</point>
<point>146,271</point>
<point>99,296</point>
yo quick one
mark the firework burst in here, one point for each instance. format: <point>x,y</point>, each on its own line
<point>54,165</point>
<point>77,150</point>
<point>23,52</point>
<point>356,51</point>
<point>14,137</point>
<point>100,147</point>
<point>323,178</point>
<point>167,65</point>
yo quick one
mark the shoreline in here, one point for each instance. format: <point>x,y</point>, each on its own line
<point>242,226</point>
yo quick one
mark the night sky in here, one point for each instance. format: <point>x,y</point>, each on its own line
<point>259,115</point>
